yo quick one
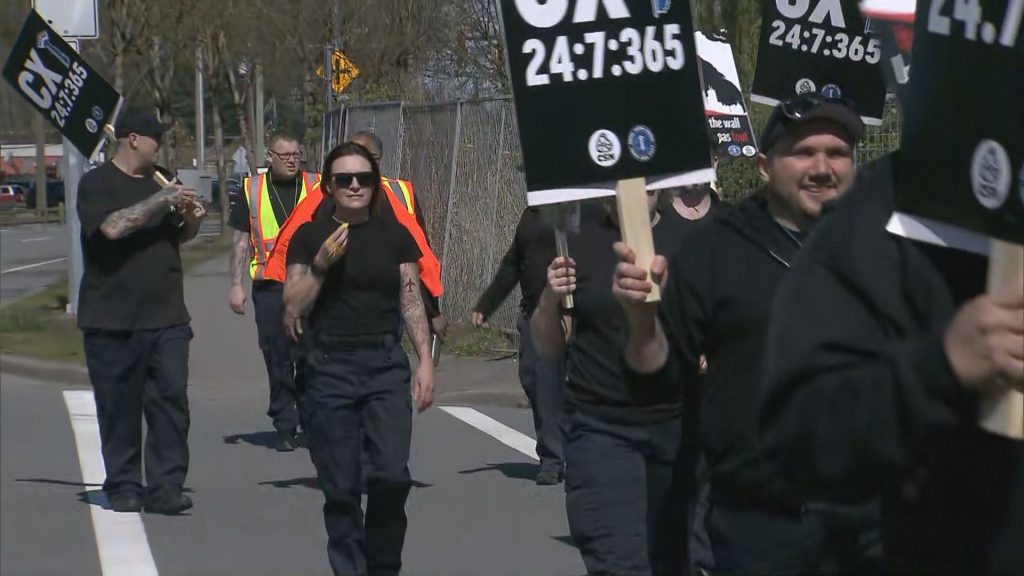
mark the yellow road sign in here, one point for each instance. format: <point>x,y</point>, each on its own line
<point>343,71</point>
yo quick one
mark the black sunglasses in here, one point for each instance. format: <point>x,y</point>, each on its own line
<point>796,107</point>
<point>344,179</point>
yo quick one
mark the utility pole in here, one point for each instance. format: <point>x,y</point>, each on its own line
<point>259,117</point>
<point>39,135</point>
<point>200,116</point>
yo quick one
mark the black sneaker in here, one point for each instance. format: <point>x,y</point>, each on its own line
<point>286,441</point>
<point>549,475</point>
<point>168,503</point>
<point>125,502</point>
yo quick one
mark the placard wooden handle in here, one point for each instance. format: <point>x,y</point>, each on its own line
<point>1003,414</point>
<point>635,224</point>
<point>562,249</point>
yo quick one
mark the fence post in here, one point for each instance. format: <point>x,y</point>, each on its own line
<point>494,185</point>
<point>451,197</point>
<point>401,135</point>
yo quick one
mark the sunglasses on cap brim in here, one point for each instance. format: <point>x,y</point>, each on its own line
<point>799,106</point>
<point>344,179</point>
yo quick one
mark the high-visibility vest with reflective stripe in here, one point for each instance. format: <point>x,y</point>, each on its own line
<point>263,226</point>
<point>403,204</point>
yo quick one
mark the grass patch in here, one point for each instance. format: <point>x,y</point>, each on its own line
<point>465,341</point>
<point>38,326</point>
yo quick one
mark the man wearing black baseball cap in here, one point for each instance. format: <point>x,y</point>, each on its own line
<point>716,301</point>
<point>133,318</point>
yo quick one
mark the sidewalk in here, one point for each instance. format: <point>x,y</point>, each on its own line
<point>225,360</point>
<point>225,355</point>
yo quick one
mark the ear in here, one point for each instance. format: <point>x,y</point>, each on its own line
<point>763,167</point>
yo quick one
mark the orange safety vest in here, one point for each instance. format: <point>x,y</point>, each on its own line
<point>403,204</point>
<point>268,239</point>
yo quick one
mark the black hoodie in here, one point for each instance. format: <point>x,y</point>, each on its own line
<point>860,401</point>
<point>717,303</point>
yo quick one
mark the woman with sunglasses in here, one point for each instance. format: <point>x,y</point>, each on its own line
<point>351,273</point>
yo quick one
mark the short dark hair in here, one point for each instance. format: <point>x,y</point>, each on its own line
<point>278,136</point>
<point>353,149</point>
<point>367,134</point>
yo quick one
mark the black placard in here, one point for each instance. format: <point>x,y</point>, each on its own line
<point>55,79</point>
<point>605,90</point>
<point>818,46</point>
<point>728,122</point>
<point>963,129</point>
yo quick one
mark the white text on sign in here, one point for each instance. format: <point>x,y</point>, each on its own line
<point>969,13</point>
<point>50,90</point>
<point>630,52</point>
<point>818,40</point>
<point>547,14</point>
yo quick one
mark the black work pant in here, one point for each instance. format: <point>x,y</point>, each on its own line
<point>543,381</point>
<point>358,396</point>
<point>819,539</point>
<point>134,374</point>
<point>626,498</point>
<point>279,355</point>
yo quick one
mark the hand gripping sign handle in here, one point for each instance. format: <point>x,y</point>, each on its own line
<point>1003,413</point>
<point>635,224</point>
<point>562,249</point>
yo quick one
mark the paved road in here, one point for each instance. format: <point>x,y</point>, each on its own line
<point>475,509</point>
<point>32,257</point>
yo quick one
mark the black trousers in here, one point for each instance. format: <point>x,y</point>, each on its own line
<point>279,355</point>
<point>626,498</point>
<point>544,383</point>
<point>134,374</point>
<point>820,539</point>
<point>358,397</point>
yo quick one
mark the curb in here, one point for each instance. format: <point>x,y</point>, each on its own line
<point>49,371</point>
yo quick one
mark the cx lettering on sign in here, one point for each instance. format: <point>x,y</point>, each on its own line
<point>605,90</point>
<point>819,46</point>
<point>53,77</point>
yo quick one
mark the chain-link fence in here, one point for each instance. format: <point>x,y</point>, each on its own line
<point>465,163</point>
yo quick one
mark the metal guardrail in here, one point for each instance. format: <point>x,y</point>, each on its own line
<point>15,215</point>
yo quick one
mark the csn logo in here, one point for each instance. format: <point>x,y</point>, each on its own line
<point>605,148</point>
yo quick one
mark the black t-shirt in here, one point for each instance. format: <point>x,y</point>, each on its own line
<point>135,282</point>
<point>525,262</point>
<point>675,225</point>
<point>283,198</point>
<point>360,294</point>
<point>594,361</point>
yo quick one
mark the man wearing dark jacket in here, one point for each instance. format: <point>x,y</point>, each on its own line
<point>877,354</point>
<point>526,263</point>
<point>716,301</point>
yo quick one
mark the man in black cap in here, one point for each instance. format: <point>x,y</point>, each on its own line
<point>133,318</point>
<point>716,302</point>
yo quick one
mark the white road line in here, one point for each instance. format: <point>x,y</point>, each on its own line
<point>35,239</point>
<point>36,265</point>
<point>507,436</point>
<point>120,536</point>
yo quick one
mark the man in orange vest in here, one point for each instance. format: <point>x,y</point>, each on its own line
<point>263,219</point>
<point>407,211</point>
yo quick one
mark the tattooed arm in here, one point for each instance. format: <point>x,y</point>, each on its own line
<point>241,253</point>
<point>413,311</point>
<point>145,213</point>
<point>301,287</point>
<point>419,332</point>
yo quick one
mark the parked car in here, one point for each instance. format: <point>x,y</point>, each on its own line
<point>11,194</point>
<point>234,191</point>
<point>54,195</point>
